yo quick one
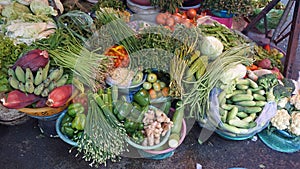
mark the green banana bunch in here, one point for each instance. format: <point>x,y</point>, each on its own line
<point>40,83</point>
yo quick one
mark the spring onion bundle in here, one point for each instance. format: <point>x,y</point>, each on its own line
<point>104,136</point>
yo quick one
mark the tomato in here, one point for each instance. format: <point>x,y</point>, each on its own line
<point>165,91</point>
<point>152,94</point>
<point>152,77</point>
<point>156,86</point>
<point>191,13</point>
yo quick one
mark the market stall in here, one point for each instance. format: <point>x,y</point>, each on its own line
<point>116,80</point>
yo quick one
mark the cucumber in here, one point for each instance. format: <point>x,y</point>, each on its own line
<point>232,113</point>
<point>228,101</point>
<point>243,82</point>
<point>166,107</point>
<point>242,87</point>
<point>246,103</point>
<point>249,110</point>
<point>241,97</point>
<point>249,118</point>
<point>234,93</point>
<point>260,103</point>
<point>256,89</point>
<point>249,91</point>
<point>242,114</point>
<point>231,128</point>
<point>224,116</point>
<point>173,140</point>
<point>252,83</point>
<point>259,97</point>
<point>177,118</point>
<point>239,123</point>
<point>261,92</point>
<point>221,97</point>
<point>227,106</point>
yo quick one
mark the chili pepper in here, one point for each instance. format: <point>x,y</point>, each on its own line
<point>75,108</point>
<point>267,47</point>
<point>69,131</point>
<point>138,136</point>
<point>79,121</point>
<point>142,97</point>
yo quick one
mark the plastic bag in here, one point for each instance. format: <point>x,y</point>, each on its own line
<point>214,119</point>
<point>273,18</point>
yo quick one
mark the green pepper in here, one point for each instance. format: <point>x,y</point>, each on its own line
<point>138,136</point>
<point>69,131</point>
<point>142,97</point>
<point>79,121</point>
<point>67,118</point>
<point>130,126</point>
<point>75,108</point>
<point>140,126</point>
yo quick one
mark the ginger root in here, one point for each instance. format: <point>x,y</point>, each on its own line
<point>156,125</point>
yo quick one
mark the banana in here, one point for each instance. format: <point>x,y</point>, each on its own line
<point>60,73</point>
<point>62,80</point>
<point>20,74</point>
<point>55,74</point>
<point>14,83</point>
<point>45,92</point>
<point>11,73</point>
<point>38,77</point>
<point>45,71</point>
<point>22,87</point>
<point>47,82</point>
<point>38,90</point>
<point>52,85</point>
<point>29,87</point>
<point>28,75</point>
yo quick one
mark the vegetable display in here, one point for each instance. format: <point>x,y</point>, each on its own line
<point>139,85</point>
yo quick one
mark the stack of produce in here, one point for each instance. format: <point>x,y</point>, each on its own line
<point>27,21</point>
<point>33,82</point>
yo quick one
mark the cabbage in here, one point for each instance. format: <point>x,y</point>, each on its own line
<point>14,11</point>
<point>211,47</point>
<point>41,7</point>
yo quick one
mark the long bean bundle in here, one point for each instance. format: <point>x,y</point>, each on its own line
<point>90,67</point>
<point>103,137</point>
<point>198,97</point>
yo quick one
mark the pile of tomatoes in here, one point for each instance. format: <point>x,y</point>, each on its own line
<point>188,18</point>
<point>120,56</point>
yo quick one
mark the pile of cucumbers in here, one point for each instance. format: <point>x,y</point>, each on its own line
<point>239,108</point>
<point>41,83</point>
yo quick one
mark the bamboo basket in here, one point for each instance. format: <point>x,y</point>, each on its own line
<point>47,111</point>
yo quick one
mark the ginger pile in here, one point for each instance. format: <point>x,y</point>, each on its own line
<point>156,125</point>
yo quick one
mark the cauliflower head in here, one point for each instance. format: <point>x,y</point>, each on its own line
<point>281,120</point>
<point>295,123</point>
<point>295,100</point>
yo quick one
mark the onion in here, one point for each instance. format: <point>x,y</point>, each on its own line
<point>161,18</point>
<point>170,21</point>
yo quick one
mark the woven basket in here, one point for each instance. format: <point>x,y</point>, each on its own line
<point>11,116</point>
<point>47,111</point>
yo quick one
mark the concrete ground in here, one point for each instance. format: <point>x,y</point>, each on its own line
<point>25,147</point>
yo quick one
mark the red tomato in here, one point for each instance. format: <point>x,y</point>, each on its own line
<point>191,13</point>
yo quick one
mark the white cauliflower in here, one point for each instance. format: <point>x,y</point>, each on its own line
<point>295,100</point>
<point>295,123</point>
<point>282,102</point>
<point>281,120</point>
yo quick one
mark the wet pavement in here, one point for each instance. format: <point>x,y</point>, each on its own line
<point>24,147</point>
